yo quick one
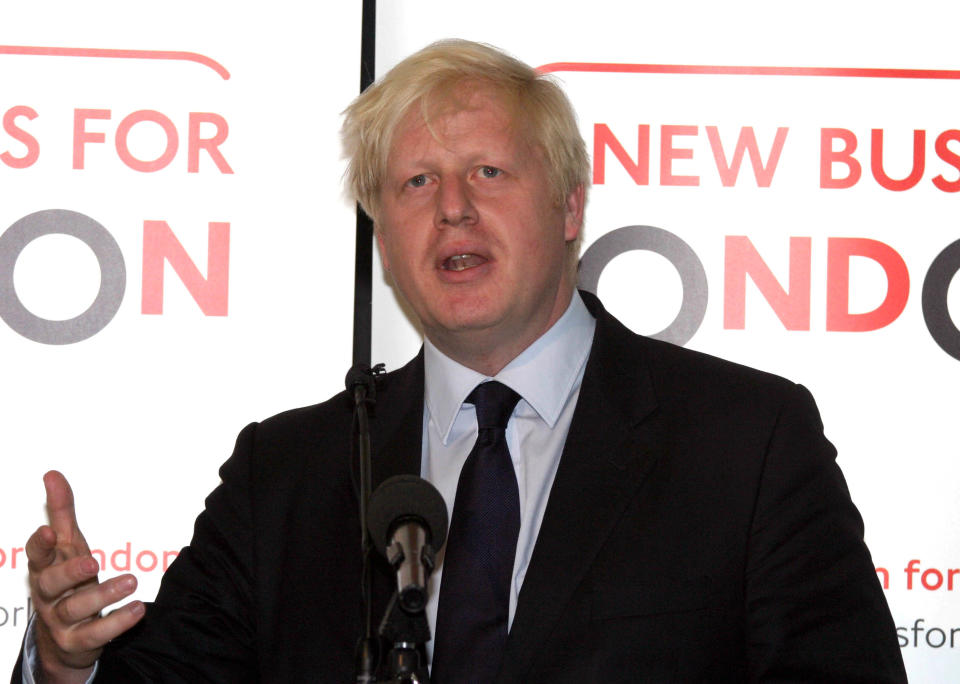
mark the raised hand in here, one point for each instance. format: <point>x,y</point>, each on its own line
<point>68,597</point>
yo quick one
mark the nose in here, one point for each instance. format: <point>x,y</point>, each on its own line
<point>454,204</point>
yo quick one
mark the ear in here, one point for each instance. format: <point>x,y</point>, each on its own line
<point>573,207</point>
<point>382,249</point>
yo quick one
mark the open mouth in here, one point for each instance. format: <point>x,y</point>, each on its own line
<point>461,262</point>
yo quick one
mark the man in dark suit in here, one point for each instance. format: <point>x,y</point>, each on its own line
<point>678,517</point>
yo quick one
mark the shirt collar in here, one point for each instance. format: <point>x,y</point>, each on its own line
<point>544,374</point>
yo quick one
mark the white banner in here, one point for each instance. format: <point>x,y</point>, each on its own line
<point>176,257</point>
<point>778,187</point>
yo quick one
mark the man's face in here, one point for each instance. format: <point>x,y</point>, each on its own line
<point>469,228</point>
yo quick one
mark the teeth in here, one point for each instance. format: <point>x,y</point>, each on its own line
<point>461,262</point>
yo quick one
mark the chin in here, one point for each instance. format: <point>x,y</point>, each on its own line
<point>468,324</point>
<point>467,310</point>
<point>459,319</point>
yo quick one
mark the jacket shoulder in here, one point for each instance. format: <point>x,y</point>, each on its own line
<point>702,386</point>
<point>320,427</point>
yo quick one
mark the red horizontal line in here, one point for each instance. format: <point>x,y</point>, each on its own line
<point>845,72</point>
<point>116,54</point>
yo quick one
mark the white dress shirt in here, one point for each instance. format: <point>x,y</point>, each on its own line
<point>547,376</point>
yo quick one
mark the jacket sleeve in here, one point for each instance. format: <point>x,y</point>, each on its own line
<point>201,626</point>
<point>815,608</point>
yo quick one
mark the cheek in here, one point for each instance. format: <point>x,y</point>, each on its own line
<point>402,256</point>
<point>551,232</point>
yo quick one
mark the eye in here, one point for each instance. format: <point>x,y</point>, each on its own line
<point>490,171</point>
<point>417,181</point>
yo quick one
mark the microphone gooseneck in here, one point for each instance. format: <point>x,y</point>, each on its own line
<point>361,384</point>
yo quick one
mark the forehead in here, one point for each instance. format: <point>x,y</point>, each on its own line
<point>462,118</point>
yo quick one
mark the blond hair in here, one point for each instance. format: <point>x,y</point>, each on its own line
<point>432,79</point>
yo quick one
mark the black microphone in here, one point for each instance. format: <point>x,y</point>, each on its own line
<point>407,519</point>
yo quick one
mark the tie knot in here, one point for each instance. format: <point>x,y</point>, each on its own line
<point>494,402</point>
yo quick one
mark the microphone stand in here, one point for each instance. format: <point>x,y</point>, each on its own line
<point>361,382</point>
<point>407,631</point>
<point>405,625</point>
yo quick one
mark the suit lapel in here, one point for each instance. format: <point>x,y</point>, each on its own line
<point>606,456</point>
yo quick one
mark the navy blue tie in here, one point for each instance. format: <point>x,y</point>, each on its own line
<point>474,603</point>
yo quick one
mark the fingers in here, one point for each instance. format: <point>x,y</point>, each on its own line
<point>89,601</point>
<point>41,548</point>
<point>93,635</point>
<point>60,509</point>
<point>64,577</point>
<point>72,626</point>
<point>77,646</point>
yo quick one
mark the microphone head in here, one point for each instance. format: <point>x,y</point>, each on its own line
<point>406,498</point>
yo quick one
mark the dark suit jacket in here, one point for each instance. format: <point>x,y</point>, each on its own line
<point>698,530</point>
